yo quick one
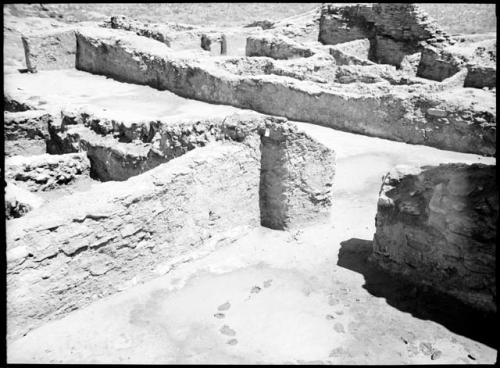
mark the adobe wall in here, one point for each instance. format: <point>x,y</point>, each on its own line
<point>437,225</point>
<point>296,179</point>
<point>49,50</point>
<point>399,114</point>
<point>131,227</point>
<point>479,58</point>
<point>25,132</point>
<point>121,231</point>
<point>395,30</point>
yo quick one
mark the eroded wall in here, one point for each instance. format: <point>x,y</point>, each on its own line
<point>400,113</point>
<point>395,30</point>
<point>82,247</point>
<point>437,225</point>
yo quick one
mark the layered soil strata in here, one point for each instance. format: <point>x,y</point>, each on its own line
<point>437,225</point>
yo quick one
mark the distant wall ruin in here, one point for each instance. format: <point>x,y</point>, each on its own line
<point>395,30</point>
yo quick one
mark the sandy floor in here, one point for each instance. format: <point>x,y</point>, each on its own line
<point>53,89</point>
<point>279,297</point>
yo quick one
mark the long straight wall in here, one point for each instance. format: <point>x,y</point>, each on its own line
<point>398,114</point>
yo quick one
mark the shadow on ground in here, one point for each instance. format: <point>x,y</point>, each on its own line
<point>421,302</point>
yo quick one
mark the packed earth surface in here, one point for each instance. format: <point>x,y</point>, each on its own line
<point>250,183</point>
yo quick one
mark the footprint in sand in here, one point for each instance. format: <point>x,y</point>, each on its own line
<point>226,330</point>
<point>224,307</point>
<point>221,308</point>
<point>333,301</point>
<point>255,290</point>
<point>267,283</point>
<point>339,327</point>
<point>337,352</point>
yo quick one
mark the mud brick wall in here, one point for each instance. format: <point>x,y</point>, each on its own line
<point>50,50</point>
<point>394,29</point>
<point>129,228</point>
<point>437,225</point>
<point>438,64</point>
<point>182,37</point>
<point>85,246</point>
<point>296,179</point>
<point>26,132</point>
<point>397,114</point>
<point>276,47</point>
<point>176,36</point>
<point>359,48</point>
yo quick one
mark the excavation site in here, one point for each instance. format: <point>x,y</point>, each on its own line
<point>250,183</point>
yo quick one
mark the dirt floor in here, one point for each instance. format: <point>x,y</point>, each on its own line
<point>278,297</point>
<point>55,88</point>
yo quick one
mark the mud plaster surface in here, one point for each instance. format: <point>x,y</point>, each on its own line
<point>293,297</point>
<point>50,89</point>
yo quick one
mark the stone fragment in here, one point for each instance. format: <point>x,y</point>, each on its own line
<point>437,112</point>
<point>436,354</point>
<point>19,201</point>
<point>426,348</point>
<point>17,253</point>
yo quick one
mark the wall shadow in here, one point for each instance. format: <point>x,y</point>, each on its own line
<point>420,301</point>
